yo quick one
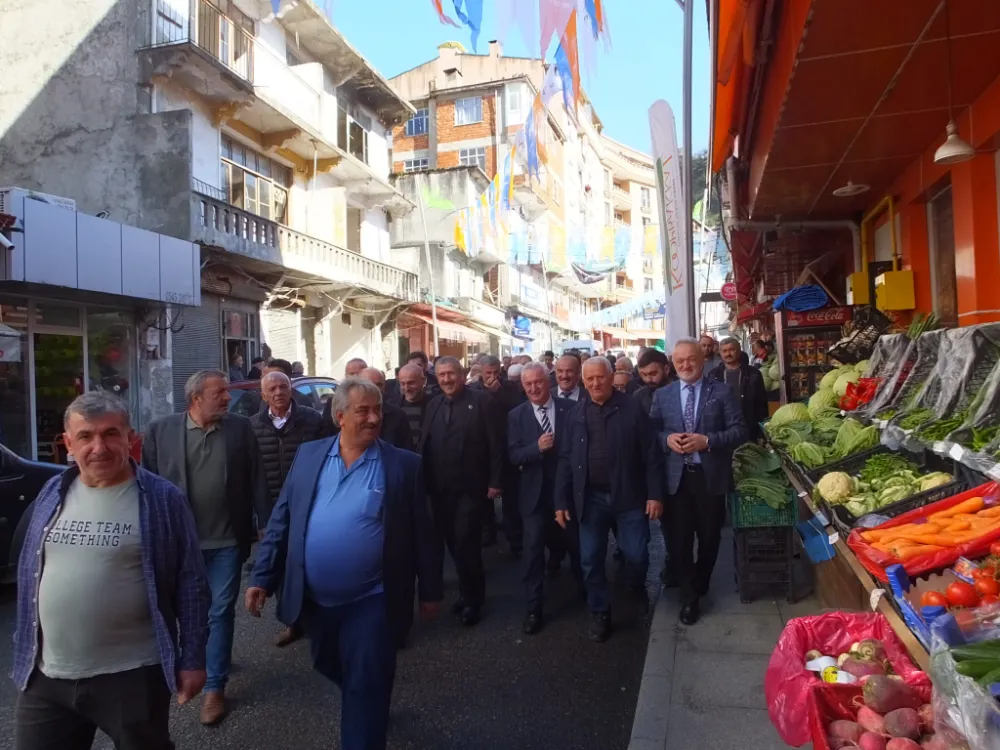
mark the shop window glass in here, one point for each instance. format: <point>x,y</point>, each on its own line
<point>53,314</point>
<point>110,352</point>
<point>15,405</point>
<point>58,380</point>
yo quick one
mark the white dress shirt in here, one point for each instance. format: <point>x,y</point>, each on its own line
<point>278,422</point>
<point>550,412</point>
<point>573,395</point>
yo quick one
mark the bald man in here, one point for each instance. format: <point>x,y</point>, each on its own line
<point>354,367</point>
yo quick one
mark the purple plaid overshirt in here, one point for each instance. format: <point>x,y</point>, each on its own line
<point>171,562</point>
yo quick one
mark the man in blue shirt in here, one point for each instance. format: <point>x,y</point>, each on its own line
<point>348,536</point>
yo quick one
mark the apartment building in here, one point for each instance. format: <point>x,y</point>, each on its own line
<point>260,137</point>
<point>469,111</point>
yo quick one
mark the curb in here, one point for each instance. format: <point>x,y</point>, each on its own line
<point>649,727</point>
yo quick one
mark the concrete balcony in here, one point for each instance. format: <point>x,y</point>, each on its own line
<point>528,196</point>
<point>202,50</point>
<point>482,312</point>
<point>218,224</point>
<point>622,198</point>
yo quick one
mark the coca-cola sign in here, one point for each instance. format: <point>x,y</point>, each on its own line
<point>826,316</point>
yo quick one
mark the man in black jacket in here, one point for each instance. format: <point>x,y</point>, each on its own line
<point>506,395</point>
<point>281,427</point>
<point>744,380</point>
<point>463,462</point>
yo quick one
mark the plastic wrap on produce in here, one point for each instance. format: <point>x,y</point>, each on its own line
<point>973,356</point>
<point>888,365</point>
<point>960,705</point>
<point>978,437</point>
<point>913,404</point>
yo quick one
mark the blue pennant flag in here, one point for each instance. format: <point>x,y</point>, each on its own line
<point>566,76</point>
<point>471,16</point>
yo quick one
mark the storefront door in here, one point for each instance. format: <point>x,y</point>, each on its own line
<point>59,379</point>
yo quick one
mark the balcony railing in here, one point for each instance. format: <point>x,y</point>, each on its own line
<point>242,231</point>
<point>205,26</point>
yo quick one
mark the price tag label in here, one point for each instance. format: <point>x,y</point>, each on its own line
<point>874,598</point>
<point>821,517</point>
<point>994,472</point>
<point>834,538</point>
<point>957,452</point>
<point>939,447</point>
<point>803,494</point>
<point>843,413</point>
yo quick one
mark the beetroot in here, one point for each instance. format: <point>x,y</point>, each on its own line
<point>870,650</point>
<point>884,694</point>
<point>861,667</point>
<point>903,722</point>
<point>837,744</point>
<point>871,721</point>
<point>902,743</point>
<point>871,741</point>
<point>841,729</point>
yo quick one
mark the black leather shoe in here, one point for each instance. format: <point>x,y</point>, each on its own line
<point>600,626</point>
<point>690,613</point>
<point>458,606</point>
<point>533,623</point>
<point>470,616</point>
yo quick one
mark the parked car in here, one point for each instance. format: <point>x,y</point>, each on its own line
<point>20,482</point>
<point>307,391</point>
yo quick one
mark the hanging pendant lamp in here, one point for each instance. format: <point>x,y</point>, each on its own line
<point>954,150</point>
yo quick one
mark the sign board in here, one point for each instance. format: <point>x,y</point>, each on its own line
<point>522,327</point>
<point>652,312</point>
<point>10,348</point>
<point>825,316</point>
<point>728,291</point>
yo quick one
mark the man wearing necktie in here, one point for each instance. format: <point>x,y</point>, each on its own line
<point>534,430</point>
<point>568,386</point>
<point>699,423</point>
<point>463,462</point>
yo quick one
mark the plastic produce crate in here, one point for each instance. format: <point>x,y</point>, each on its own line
<point>764,559</point>
<point>929,462</point>
<point>760,514</point>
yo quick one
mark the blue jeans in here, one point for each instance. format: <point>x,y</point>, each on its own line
<point>633,541</point>
<point>223,567</point>
<point>352,646</point>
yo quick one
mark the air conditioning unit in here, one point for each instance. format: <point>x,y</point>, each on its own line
<point>11,195</point>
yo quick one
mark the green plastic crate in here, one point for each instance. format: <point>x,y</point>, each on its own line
<point>761,514</point>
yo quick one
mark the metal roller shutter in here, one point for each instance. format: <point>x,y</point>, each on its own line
<point>282,333</point>
<point>198,345</point>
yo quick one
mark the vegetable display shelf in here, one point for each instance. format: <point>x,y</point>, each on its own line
<point>747,512</point>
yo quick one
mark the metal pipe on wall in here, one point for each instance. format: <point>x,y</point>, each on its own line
<point>688,181</point>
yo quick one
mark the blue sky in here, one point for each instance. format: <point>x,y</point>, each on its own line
<point>644,63</point>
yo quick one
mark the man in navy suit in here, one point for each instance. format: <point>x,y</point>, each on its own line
<point>348,536</point>
<point>699,423</point>
<point>534,430</point>
<point>610,470</point>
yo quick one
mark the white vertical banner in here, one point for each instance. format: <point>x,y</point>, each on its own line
<point>675,223</point>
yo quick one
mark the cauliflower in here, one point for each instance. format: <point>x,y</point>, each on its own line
<point>835,487</point>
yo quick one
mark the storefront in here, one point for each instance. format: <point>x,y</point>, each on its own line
<point>51,352</point>
<point>457,335</point>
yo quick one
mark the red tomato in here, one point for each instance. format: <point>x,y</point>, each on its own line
<point>986,586</point>
<point>995,549</point>
<point>987,571</point>
<point>933,599</point>
<point>961,594</point>
<point>989,599</point>
<point>965,619</point>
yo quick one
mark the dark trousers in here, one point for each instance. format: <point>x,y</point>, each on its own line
<point>352,646</point>
<point>541,531</point>
<point>131,707</point>
<point>458,520</point>
<point>633,541</point>
<point>693,513</point>
<point>510,508</point>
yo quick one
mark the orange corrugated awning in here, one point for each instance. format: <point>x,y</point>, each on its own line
<point>737,26</point>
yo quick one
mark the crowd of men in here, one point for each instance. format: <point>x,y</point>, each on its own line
<point>130,573</point>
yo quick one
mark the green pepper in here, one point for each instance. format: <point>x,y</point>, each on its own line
<point>977,668</point>
<point>989,678</point>
<point>989,650</point>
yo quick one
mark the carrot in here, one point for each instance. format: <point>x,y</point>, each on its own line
<point>959,526</point>
<point>907,532</point>
<point>993,512</point>
<point>972,505</point>
<point>908,553</point>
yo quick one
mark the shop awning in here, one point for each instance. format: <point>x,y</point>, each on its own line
<point>504,336</point>
<point>450,330</point>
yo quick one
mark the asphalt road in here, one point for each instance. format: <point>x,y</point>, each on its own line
<point>480,688</point>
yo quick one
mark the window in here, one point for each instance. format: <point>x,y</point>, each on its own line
<point>645,197</point>
<point>607,180</point>
<point>607,214</point>
<point>255,182</point>
<point>417,125</point>
<point>352,130</point>
<point>514,104</point>
<point>647,285</point>
<point>415,165</point>
<point>468,111</point>
<point>290,57</point>
<point>646,221</point>
<point>473,157</point>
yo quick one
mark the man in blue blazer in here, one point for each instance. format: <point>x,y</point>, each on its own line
<point>350,532</point>
<point>534,432</point>
<point>610,470</point>
<point>699,423</point>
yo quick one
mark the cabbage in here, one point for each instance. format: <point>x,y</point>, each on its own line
<point>790,413</point>
<point>824,398</point>
<point>835,487</point>
<point>830,378</point>
<point>861,367</point>
<point>846,436</point>
<point>840,387</point>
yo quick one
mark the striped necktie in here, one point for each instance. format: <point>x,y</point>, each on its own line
<point>544,416</point>
<point>689,420</point>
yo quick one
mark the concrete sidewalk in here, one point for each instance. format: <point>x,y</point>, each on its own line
<point>703,686</point>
